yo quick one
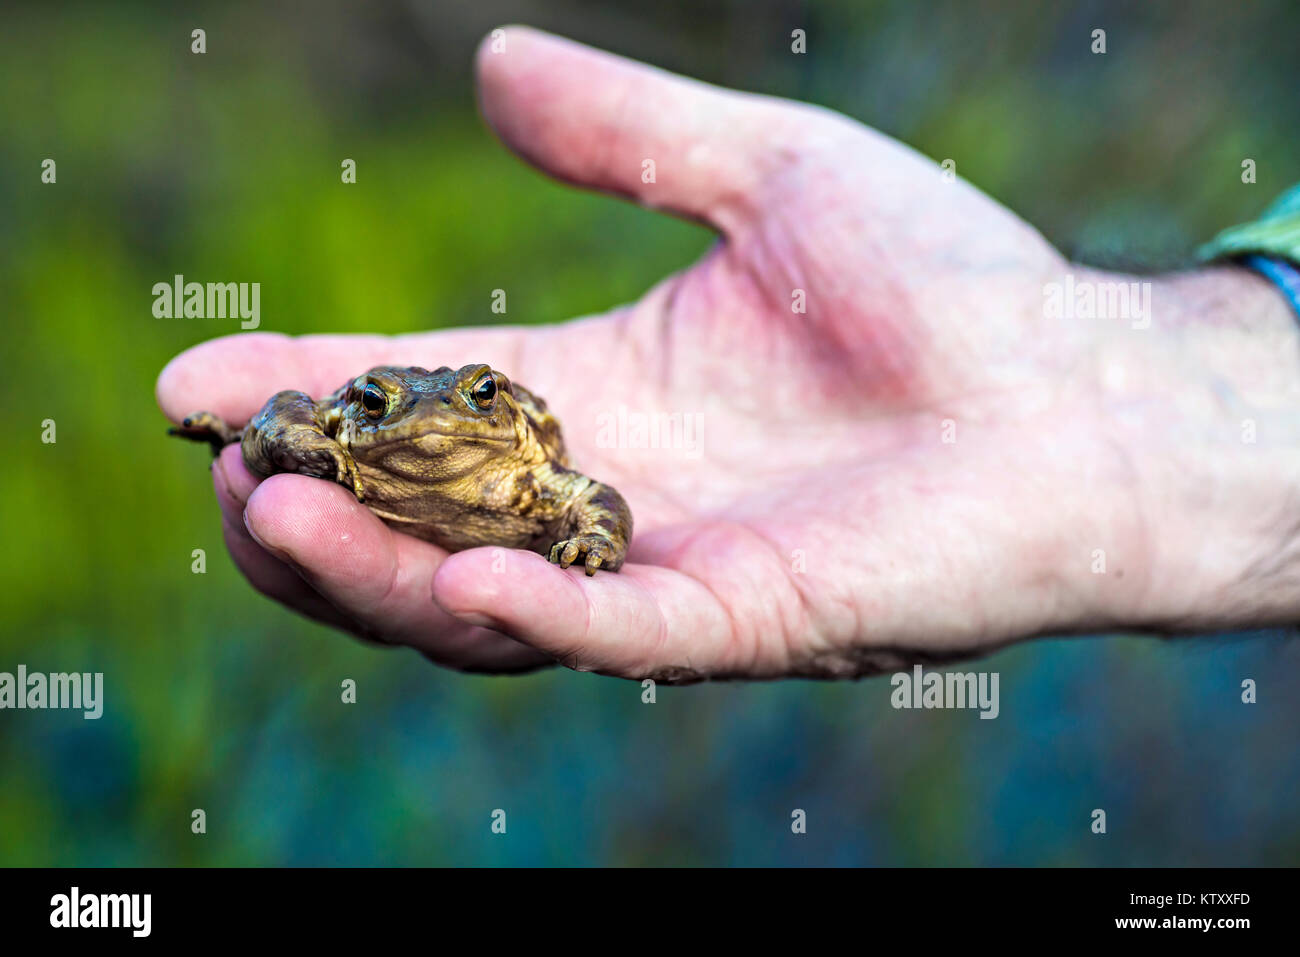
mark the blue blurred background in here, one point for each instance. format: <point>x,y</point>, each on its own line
<point>226,165</point>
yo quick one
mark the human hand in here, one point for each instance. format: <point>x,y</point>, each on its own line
<point>921,465</point>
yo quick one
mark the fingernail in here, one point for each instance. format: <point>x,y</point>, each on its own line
<point>478,618</point>
<point>279,553</point>
<point>219,468</point>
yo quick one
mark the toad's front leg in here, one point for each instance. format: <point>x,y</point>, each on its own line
<point>599,528</point>
<point>290,435</point>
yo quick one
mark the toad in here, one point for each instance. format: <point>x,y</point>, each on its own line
<point>460,458</point>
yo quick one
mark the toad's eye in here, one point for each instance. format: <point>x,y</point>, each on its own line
<point>485,393</point>
<point>374,401</point>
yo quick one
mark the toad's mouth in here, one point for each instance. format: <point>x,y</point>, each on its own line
<point>416,436</point>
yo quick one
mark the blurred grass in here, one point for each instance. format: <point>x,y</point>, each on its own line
<point>226,167</point>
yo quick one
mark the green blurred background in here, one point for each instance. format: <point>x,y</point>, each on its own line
<point>226,166</point>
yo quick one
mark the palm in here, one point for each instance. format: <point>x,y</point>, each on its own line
<point>822,463</point>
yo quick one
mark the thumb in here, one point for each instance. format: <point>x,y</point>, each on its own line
<point>608,123</point>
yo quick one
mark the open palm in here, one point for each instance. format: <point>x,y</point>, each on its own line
<point>891,435</point>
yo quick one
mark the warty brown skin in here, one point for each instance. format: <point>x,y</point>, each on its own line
<point>459,458</point>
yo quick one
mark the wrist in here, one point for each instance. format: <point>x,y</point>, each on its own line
<point>1206,406</point>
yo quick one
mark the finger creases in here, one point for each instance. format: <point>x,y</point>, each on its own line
<point>375,577</point>
<point>642,622</point>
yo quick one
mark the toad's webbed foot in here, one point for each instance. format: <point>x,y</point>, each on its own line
<point>206,427</point>
<point>596,552</point>
<point>599,531</point>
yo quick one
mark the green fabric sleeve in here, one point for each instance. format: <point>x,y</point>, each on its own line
<point>1275,233</point>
